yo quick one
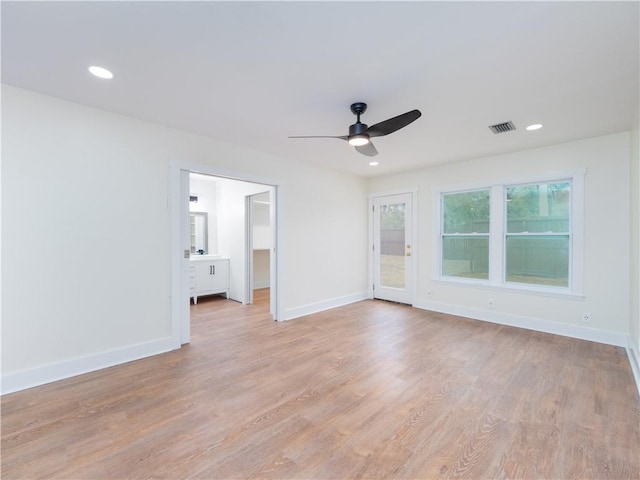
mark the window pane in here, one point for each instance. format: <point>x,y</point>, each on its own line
<point>392,232</point>
<point>465,257</point>
<point>466,212</point>
<point>392,228</point>
<point>539,208</point>
<point>541,260</point>
<point>392,271</point>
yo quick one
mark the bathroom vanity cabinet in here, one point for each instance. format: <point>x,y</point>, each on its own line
<point>208,276</point>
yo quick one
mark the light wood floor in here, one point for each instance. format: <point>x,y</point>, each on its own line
<point>369,390</point>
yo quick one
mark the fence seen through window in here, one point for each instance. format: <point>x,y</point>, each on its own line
<point>536,235</point>
<point>392,241</point>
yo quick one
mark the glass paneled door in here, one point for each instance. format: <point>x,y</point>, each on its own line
<point>392,248</point>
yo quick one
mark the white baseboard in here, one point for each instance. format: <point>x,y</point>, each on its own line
<point>540,325</point>
<point>262,284</point>
<point>634,360</point>
<point>16,381</point>
<point>33,377</point>
<point>296,312</point>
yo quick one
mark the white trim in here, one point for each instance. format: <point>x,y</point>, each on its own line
<point>324,305</point>
<point>276,254</point>
<point>33,377</point>
<point>414,242</point>
<point>520,288</point>
<point>634,361</point>
<point>538,324</point>
<point>176,245</point>
<point>206,169</point>
<point>248,244</point>
<point>510,180</point>
<point>395,191</point>
<point>370,248</point>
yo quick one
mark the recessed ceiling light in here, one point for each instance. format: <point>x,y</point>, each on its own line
<point>100,72</point>
<point>373,164</point>
<point>535,126</point>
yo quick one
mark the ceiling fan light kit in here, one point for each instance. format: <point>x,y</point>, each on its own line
<point>360,133</point>
<point>358,140</point>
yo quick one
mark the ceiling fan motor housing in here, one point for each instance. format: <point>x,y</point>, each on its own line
<point>358,129</point>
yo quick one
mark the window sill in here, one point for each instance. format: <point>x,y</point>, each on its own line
<point>511,288</point>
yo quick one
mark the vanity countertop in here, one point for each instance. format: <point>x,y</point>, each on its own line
<point>200,258</point>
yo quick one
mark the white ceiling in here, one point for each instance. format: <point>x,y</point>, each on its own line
<point>253,73</point>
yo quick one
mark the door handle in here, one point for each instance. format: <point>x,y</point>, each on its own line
<point>214,269</point>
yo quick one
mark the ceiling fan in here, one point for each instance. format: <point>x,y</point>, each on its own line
<point>360,134</point>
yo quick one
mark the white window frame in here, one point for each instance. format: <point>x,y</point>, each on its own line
<point>497,234</point>
<point>479,281</point>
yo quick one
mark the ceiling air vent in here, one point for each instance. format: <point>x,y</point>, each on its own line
<point>502,127</point>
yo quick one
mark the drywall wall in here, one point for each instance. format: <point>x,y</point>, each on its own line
<point>231,230</point>
<point>262,233</point>
<point>261,266</point>
<point>606,246</point>
<point>85,222</point>
<point>262,240</point>
<point>86,234</point>
<point>634,316</point>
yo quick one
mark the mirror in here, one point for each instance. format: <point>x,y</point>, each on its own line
<point>198,232</point>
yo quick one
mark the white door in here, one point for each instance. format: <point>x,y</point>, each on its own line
<point>393,252</point>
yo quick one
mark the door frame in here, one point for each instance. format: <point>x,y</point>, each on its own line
<point>413,277</point>
<point>178,205</point>
<point>249,280</point>
<point>248,243</point>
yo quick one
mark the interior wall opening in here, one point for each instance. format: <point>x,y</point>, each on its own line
<point>231,238</point>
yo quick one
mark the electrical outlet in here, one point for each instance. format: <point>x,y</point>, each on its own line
<point>586,317</point>
<point>490,303</point>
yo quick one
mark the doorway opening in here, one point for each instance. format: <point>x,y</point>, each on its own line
<point>259,237</point>
<point>212,255</point>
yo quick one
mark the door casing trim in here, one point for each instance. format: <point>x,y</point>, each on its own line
<point>176,296</point>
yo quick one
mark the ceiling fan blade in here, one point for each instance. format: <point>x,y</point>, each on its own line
<point>367,149</point>
<point>343,137</point>
<point>393,124</point>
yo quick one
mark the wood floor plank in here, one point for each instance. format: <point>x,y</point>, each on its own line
<point>368,390</point>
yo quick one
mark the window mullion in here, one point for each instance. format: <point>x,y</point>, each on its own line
<point>496,235</point>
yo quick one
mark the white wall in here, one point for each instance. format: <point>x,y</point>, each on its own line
<point>85,222</point>
<point>261,267</point>
<point>262,239</point>
<point>606,267</point>
<point>261,222</point>
<point>231,230</point>
<point>86,234</point>
<point>634,317</point>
